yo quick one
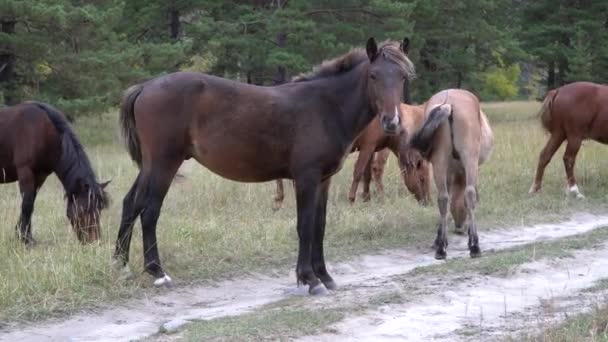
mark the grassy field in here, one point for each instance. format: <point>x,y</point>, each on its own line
<point>211,228</point>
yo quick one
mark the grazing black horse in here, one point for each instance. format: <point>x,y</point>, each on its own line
<point>35,141</point>
<point>300,130</point>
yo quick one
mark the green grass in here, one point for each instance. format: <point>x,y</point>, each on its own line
<point>587,327</point>
<point>212,228</point>
<point>278,324</point>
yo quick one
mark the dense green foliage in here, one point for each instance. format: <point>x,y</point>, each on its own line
<point>80,54</point>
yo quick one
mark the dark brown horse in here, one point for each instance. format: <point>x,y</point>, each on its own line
<point>301,130</point>
<point>35,141</point>
<point>574,112</point>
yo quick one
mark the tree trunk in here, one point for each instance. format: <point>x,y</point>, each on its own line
<point>459,80</point>
<point>280,75</point>
<point>174,24</point>
<point>7,66</point>
<point>551,76</point>
<point>561,75</point>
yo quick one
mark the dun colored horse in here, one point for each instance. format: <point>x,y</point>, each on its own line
<point>414,169</point>
<point>300,130</point>
<point>35,141</point>
<point>574,112</point>
<point>456,137</point>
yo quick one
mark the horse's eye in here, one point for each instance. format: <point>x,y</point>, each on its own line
<point>372,76</point>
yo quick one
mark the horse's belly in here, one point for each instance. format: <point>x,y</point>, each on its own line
<point>8,174</point>
<point>241,165</point>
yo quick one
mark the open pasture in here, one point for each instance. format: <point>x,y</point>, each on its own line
<point>212,229</point>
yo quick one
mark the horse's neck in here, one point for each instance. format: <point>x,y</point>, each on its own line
<point>413,116</point>
<point>349,93</point>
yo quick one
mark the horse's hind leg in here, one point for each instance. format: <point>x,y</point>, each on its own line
<point>470,201</point>
<point>28,190</point>
<point>367,179</point>
<point>132,206</point>
<point>574,144</point>
<point>156,182</point>
<point>279,195</point>
<point>443,198</point>
<point>546,154</point>
<point>318,259</point>
<point>457,203</point>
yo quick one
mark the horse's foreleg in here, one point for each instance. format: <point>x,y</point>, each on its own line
<point>574,144</point>
<point>378,164</point>
<point>457,203</point>
<point>318,258</point>
<point>470,201</point>
<point>364,157</point>
<point>279,195</point>
<point>307,187</point>
<point>132,206</point>
<point>546,154</point>
<point>443,198</point>
<point>28,190</point>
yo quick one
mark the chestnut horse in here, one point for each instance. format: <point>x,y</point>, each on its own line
<point>35,141</point>
<point>414,169</point>
<point>456,137</point>
<point>574,112</point>
<point>300,130</point>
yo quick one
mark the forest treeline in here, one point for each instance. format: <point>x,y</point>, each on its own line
<point>81,54</point>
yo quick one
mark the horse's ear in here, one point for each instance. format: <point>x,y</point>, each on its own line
<point>104,184</point>
<point>372,49</point>
<point>405,45</point>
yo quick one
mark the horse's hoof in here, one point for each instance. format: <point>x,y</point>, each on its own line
<point>475,252</point>
<point>124,272</point>
<point>534,189</point>
<point>318,290</point>
<point>441,255</point>
<point>459,230</point>
<point>330,285</point>
<point>164,281</point>
<point>351,200</point>
<point>573,190</point>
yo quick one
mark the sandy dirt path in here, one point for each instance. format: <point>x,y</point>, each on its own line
<point>143,317</point>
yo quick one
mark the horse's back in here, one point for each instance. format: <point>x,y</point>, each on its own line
<point>225,125</point>
<point>469,128</point>
<point>27,138</point>
<point>581,109</point>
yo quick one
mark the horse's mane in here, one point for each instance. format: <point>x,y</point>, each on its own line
<point>350,60</point>
<point>74,165</point>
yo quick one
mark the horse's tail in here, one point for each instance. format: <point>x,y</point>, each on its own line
<point>545,110</point>
<point>424,137</point>
<point>127,122</point>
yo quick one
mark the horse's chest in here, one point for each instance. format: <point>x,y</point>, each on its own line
<point>337,161</point>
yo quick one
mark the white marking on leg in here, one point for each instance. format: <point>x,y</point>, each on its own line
<point>575,191</point>
<point>164,281</point>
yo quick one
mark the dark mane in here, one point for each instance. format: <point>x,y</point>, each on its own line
<point>388,49</point>
<point>74,168</point>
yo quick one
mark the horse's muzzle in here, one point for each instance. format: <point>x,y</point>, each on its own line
<point>391,125</point>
